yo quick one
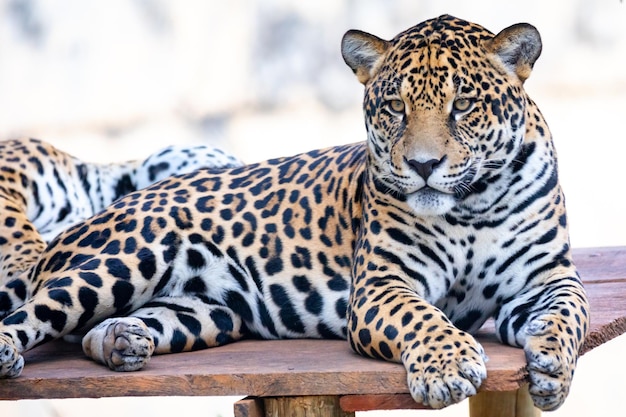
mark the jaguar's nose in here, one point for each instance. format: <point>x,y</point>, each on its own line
<point>424,168</point>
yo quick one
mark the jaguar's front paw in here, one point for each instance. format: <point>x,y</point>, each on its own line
<point>550,364</point>
<point>11,362</point>
<point>446,369</point>
<point>123,344</point>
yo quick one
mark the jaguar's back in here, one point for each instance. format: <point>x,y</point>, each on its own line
<point>44,190</point>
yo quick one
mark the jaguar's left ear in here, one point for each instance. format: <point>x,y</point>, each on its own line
<point>517,47</point>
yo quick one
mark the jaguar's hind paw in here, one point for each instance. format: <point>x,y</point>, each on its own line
<point>122,343</point>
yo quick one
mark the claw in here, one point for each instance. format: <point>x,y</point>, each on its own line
<point>439,384</point>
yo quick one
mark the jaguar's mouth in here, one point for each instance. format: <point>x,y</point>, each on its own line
<point>429,192</point>
<point>430,201</point>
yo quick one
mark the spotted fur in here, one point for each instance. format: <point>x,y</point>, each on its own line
<point>44,190</point>
<point>451,213</point>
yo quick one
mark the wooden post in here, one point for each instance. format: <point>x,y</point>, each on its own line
<point>249,407</point>
<point>308,406</point>
<point>503,404</point>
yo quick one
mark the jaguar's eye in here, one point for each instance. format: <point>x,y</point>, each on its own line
<point>462,105</point>
<point>395,107</point>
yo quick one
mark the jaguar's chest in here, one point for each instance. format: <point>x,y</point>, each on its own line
<point>470,271</point>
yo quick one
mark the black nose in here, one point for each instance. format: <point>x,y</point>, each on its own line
<point>424,169</point>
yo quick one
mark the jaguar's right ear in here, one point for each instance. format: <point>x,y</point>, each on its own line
<point>363,53</point>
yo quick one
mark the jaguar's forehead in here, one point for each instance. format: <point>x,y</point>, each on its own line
<point>445,32</point>
<point>445,49</point>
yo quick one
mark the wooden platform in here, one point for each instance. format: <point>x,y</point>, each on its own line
<point>303,368</point>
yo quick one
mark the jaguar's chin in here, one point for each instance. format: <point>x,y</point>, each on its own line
<point>430,202</point>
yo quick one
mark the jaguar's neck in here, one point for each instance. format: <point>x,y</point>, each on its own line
<point>531,179</point>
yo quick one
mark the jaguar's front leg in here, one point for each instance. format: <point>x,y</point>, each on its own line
<point>388,319</point>
<point>20,248</point>
<point>550,321</point>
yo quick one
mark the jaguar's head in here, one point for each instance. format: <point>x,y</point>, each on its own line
<point>444,106</point>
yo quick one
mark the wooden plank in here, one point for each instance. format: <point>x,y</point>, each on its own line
<point>601,264</point>
<point>603,271</point>
<point>298,367</point>
<point>379,402</point>
<point>258,368</point>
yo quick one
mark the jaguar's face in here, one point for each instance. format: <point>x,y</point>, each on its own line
<point>442,111</point>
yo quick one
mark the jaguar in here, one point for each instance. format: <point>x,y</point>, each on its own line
<point>449,214</point>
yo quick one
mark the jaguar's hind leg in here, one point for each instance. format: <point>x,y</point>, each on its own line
<point>164,325</point>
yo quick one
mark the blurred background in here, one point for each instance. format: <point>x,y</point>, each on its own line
<point>118,79</point>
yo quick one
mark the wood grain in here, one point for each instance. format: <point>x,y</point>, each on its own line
<point>299,367</point>
<point>503,404</point>
<point>603,271</point>
<point>316,406</point>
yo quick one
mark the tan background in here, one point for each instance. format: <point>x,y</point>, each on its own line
<point>118,79</point>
